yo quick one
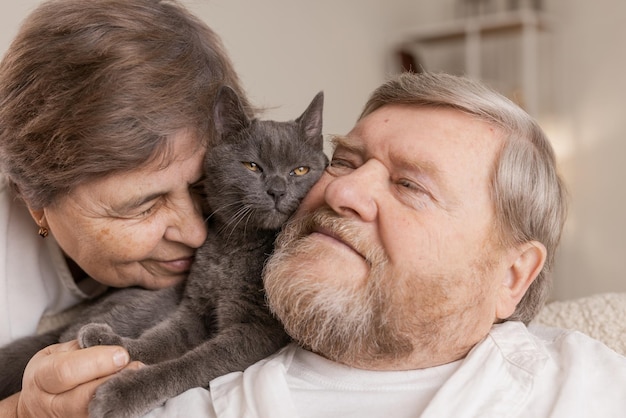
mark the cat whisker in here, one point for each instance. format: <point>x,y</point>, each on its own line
<point>244,212</point>
<point>223,208</point>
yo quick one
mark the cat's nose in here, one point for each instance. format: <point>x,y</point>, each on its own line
<point>276,188</point>
<point>276,193</point>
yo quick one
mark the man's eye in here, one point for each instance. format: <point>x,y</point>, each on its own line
<point>339,166</point>
<point>300,171</point>
<point>338,162</point>
<point>410,185</point>
<point>252,166</point>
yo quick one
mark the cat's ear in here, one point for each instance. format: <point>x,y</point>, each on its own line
<point>311,120</point>
<point>228,112</point>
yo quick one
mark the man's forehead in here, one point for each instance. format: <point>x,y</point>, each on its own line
<point>405,126</point>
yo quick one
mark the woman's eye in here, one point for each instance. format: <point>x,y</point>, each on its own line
<point>198,186</point>
<point>197,189</point>
<point>148,211</point>
<point>300,171</point>
<point>252,166</point>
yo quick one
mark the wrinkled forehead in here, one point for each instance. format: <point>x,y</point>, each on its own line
<point>453,150</point>
<point>179,146</point>
<point>410,131</point>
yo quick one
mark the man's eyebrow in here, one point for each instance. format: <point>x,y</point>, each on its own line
<point>427,168</point>
<point>346,143</point>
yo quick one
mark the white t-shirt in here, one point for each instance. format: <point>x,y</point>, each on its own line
<point>35,282</point>
<point>514,372</point>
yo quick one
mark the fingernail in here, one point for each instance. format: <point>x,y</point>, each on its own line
<point>120,358</point>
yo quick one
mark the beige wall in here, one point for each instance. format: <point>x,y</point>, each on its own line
<point>590,90</point>
<point>287,50</point>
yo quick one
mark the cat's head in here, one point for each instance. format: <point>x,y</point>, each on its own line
<point>259,170</point>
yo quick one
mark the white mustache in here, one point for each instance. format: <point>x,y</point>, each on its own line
<point>327,221</point>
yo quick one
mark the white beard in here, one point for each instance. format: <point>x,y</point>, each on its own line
<point>340,320</point>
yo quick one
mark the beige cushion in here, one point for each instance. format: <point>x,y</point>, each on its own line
<point>601,316</point>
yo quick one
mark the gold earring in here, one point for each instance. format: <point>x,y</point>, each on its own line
<point>43,231</point>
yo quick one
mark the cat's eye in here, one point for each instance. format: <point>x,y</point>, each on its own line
<point>251,166</point>
<point>300,171</point>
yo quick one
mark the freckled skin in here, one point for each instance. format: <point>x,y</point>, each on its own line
<point>135,246</point>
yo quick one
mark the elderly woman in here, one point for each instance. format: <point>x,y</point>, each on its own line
<point>104,121</point>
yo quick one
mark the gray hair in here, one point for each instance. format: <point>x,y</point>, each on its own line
<point>528,194</point>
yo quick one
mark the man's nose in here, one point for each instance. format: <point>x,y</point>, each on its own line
<point>356,193</point>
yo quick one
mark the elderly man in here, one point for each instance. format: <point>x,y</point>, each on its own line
<point>412,268</point>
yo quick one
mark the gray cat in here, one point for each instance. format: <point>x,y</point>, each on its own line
<point>217,322</point>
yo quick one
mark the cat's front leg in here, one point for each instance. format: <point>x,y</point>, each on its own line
<point>98,334</point>
<point>122,396</point>
<point>134,393</point>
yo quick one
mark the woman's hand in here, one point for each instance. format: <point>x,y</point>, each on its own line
<point>60,380</point>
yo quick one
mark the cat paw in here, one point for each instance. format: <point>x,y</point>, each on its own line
<point>97,334</point>
<point>123,396</point>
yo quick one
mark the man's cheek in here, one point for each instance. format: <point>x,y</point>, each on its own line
<point>315,197</point>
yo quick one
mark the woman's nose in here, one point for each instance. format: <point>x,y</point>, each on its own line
<point>355,193</point>
<point>188,226</point>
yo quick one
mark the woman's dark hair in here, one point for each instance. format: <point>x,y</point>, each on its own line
<point>92,87</point>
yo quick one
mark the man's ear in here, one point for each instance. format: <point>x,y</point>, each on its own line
<point>526,261</point>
